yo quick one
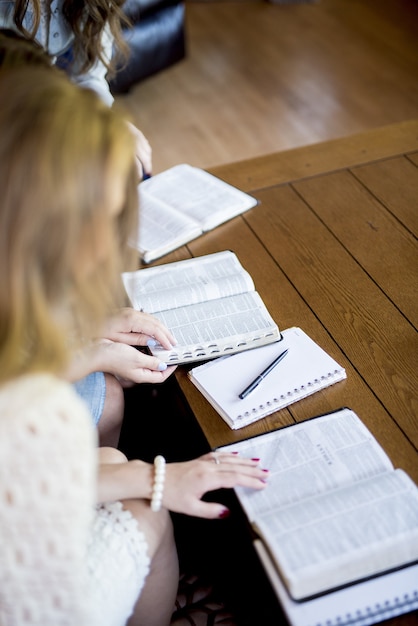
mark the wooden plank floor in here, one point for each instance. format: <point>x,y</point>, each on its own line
<point>261,77</point>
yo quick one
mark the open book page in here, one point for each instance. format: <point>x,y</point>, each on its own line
<point>206,199</point>
<point>367,602</point>
<point>334,510</point>
<point>208,303</point>
<point>200,279</point>
<point>311,458</point>
<point>161,229</point>
<point>218,327</point>
<point>179,204</point>
<point>344,535</point>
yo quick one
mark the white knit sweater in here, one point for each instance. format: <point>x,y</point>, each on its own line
<point>62,561</point>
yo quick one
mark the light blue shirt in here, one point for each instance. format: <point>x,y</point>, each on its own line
<point>55,36</point>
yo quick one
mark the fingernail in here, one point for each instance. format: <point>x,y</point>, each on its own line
<point>266,470</point>
<point>255,459</point>
<point>151,343</point>
<point>162,366</point>
<point>225,513</point>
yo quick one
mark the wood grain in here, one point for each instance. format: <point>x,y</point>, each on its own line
<point>335,253</point>
<point>395,183</point>
<point>261,77</point>
<point>332,155</point>
<point>369,231</point>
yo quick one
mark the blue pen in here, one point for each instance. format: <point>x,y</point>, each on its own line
<point>261,376</point>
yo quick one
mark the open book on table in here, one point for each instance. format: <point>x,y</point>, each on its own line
<point>180,204</point>
<point>335,511</point>
<point>305,369</point>
<point>209,303</point>
<point>362,604</point>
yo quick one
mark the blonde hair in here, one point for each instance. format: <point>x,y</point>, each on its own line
<point>62,245</point>
<point>16,50</point>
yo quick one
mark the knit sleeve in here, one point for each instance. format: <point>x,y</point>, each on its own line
<point>47,495</point>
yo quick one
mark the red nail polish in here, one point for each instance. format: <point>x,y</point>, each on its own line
<point>266,470</point>
<point>255,459</point>
<point>225,513</point>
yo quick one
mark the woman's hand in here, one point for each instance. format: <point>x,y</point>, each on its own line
<point>187,482</point>
<point>136,328</point>
<point>143,152</point>
<point>130,365</point>
<point>115,354</point>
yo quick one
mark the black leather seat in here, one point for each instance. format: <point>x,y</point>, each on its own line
<point>156,40</point>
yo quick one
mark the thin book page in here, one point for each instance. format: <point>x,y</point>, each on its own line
<point>311,458</point>
<point>179,204</point>
<point>367,602</point>
<point>182,283</point>
<point>211,329</point>
<point>208,303</point>
<point>335,510</point>
<point>345,534</point>
<point>160,227</point>
<point>197,194</point>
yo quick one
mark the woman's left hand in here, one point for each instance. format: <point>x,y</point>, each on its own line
<point>136,328</point>
<point>143,152</point>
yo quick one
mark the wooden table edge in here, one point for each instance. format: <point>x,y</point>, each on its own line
<point>319,158</point>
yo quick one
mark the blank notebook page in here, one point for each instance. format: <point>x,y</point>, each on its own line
<point>306,368</point>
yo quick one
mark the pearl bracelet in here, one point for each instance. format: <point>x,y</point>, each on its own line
<point>158,486</point>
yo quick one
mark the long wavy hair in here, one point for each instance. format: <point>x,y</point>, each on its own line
<point>87,20</point>
<point>69,200</point>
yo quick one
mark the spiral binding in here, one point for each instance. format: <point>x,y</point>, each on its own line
<point>285,399</point>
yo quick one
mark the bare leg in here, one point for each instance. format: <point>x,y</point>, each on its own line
<point>110,423</point>
<point>111,455</point>
<point>156,602</point>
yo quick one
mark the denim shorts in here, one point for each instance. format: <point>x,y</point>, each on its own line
<point>92,389</point>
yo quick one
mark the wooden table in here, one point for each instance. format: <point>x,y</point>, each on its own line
<point>332,248</point>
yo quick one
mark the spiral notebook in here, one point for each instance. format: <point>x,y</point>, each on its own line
<point>367,602</point>
<point>306,368</point>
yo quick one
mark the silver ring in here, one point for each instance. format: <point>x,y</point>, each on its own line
<point>215,458</point>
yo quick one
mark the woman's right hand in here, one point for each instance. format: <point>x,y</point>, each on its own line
<point>187,482</point>
<point>129,365</point>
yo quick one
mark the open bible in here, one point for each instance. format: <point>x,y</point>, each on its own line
<point>335,511</point>
<point>209,303</point>
<point>180,204</point>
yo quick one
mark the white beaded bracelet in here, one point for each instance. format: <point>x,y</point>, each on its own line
<point>158,486</point>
